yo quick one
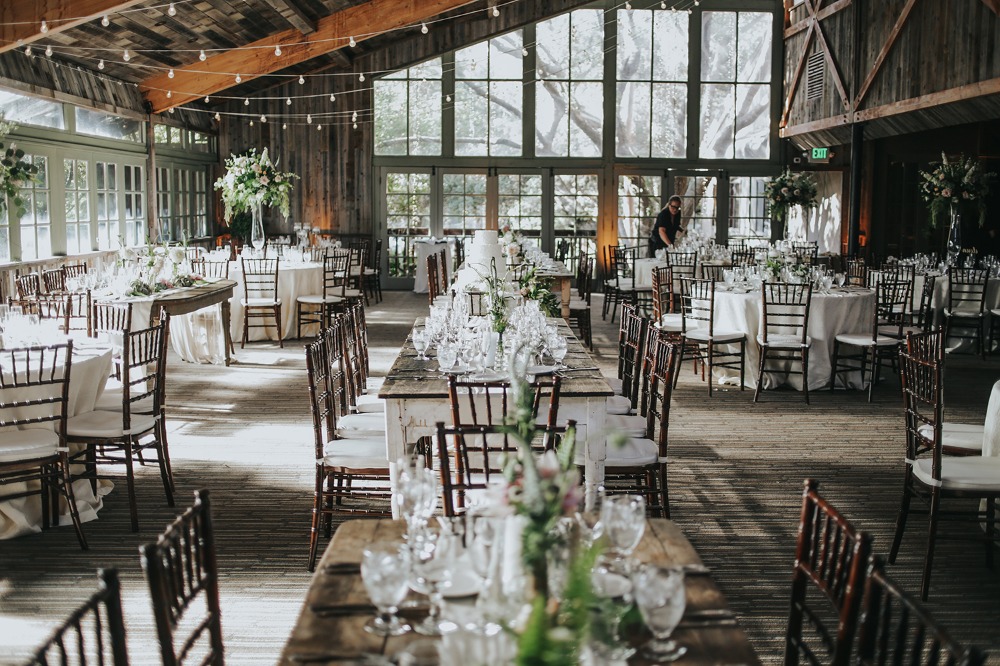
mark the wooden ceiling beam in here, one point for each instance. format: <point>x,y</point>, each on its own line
<point>20,22</point>
<point>257,59</point>
<point>994,5</point>
<point>291,12</point>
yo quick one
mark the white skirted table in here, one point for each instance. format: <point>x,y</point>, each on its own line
<point>294,279</point>
<point>424,249</point>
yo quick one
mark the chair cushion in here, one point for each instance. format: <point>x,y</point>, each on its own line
<point>632,425</point>
<point>780,341</point>
<point>578,304</point>
<point>319,299</point>
<point>18,445</point>
<point>701,334</point>
<point>352,293</point>
<point>672,323</point>
<point>865,340</point>
<point>260,302</point>
<point>616,385</point>
<point>359,453</point>
<point>373,384</point>
<point>361,425</point>
<point>968,312</point>
<point>370,404</point>
<point>100,425</point>
<point>962,473</point>
<point>619,404</point>
<point>633,453</point>
<point>111,401</point>
<point>957,435</point>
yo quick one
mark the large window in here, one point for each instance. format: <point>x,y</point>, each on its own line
<point>109,126</point>
<point>408,111</point>
<point>652,72</point>
<point>182,202</point>
<point>638,205</point>
<point>569,94</point>
<point>35,224</point>
<point>135,205</point>
<point>747,208</point>
<point>488,97</point>
<point>408,216</point>
<point>735,88</point>
<point>76,189</point>
<point>26,110</point>
<point>698,203</point>
<point>520,203</point>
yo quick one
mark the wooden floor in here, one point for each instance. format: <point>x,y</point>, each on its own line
<point>736,472</point>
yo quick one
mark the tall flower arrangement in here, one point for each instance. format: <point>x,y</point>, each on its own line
<point>15,171</point>
<point>252,179</point>
<point>787,190</point>
<point>951,183</point>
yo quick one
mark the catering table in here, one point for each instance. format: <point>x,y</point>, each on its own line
<point>840,311</point>
<point>709,629</point>
<point>424,249</point>
<point>88,376</point>
<point>294,279</point>
<point>416,398</point>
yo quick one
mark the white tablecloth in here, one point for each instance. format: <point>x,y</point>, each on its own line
<point>88,376</point>
<point>424,249</point>
<point>294,279</point>
<point>196,337</point>
<point>829,316</point>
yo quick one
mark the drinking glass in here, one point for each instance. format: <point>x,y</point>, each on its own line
<point>623,520</point>
<point>839,279</point>
<point>659,594</point>
<point>420,343</point>
<point>432,559</point>
<point>416,494</point>
<point>447,354</point>
<point>613,589</point>
<point>385,572</point>
<point>558,347</point>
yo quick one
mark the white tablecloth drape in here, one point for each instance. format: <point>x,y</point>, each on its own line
<point>829,315</point>
<point>88,376</point>
<point>423,249</point>
<point>294,279</point>
<point>196,337</point>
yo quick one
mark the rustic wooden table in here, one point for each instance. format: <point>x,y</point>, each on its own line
<point>196,298</point>
<point>709,629</point>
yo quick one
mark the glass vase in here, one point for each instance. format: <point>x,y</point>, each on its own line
<point>257,238</point>
<point>953,245</point>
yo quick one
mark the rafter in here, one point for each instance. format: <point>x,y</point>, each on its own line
<point>217,72</point>
<point>20,22</point>
<point>880,58</point>
<point>994,5</point>
<point>291,12</point>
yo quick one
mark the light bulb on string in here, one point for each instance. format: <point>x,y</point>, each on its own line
<point>288,101</point>
<point>318,127</point>
<point>333,98</point>
<point>284,125</point>
<point>628,5</point>
<point>246,102</point>
<point>302,79</point>
<point>218,116</point>
<point>170,110</point>
<point>206,99</point>
<point>27,50</point>
<point>170,94</point>
<point>424,29</point>
<point>44,27</point>
<point>171,10</point>
<point>105,21</point>
<point>524,52</point>
<point>48,50</point>
<point>239,79</point>
<point>126,56</point>
<point>277,49</point>
<point>201,55</point>
<point>447,98</point>
<point>351,42</point>
<point>361,77</point>
<point>496,12</point>
<point>251,123</point>
<point>663,4</point>
<point>309,119</point>
<point>355,126</point>
<point>170,74</point>
<point>354,117</point>
<point>100,64</point>
<point>263,118</point>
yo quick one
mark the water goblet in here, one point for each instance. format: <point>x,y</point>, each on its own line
<point>614,590</point>
<point>447,355</point>
<point>558,347</point>
<point>623,519</point>
<point>385,570</point>
<point>420,343</point>
<point>432,559</point>
<point>839,279</point>
<point>659,594</point>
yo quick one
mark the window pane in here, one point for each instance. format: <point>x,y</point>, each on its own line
<point>587,44</point>
<point>472,61</point>
<point>717,121</point>
<point>670,46</point>
<point>638,205</point>
<point>747,210</point>
<point>505,118</point>
<point>506,61</point>
<point>754,60</point>
<point>753,121</point>
<point>552,55</point>
<point>552,119</point>
<point>425,117</point>
<point>635,39</point>
<point>25,110</point>
<point>471,121</point>
<point>109,126</point>
<point>718,40</point>
<point>632,131</point>
<point>586,119</point>
<point>669,120</point>
<point>390,122</point>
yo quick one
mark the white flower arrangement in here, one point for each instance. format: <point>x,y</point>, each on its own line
<point>252,179</point>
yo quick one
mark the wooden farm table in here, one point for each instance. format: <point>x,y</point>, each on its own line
<point>562,280</point>
<point>416,398</point>
<point>192,299</point>
<point>709,629</point>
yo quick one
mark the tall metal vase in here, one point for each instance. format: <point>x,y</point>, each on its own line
<point>954,242</point>
<point>257,238</point>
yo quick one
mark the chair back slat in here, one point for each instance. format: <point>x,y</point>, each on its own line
<point>210,269</point>
<point>697,305</point>
<point>922,408</point>
<point>34,386</point>
<point>967,290</point>
<point>684,264</point>
<point>785,310</point>
<point>631,340</point>
<point>260,278</point>
<point>54,280</point>
<point>663,292</point>
<point>666,362</point>
<point>111,317</point>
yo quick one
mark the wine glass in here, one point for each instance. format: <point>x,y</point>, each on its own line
<point>839,279</point>
<point>558,347</point>
<point>385,572</point>
<point>420,343</point>
<point>416,495</point>
<point>447,354</point>
<point>623,519</point>
<point>432,559</point>
<point>613,589</point>
<point>659,594</point>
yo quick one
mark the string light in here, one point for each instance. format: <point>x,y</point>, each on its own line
<point>277,49</point>
<point>239,79</point>
<point>355,126</point>
<point>206,99</point>
<point>218,117</point>
<point>100,64</point>
<point>263,118</point>
<point>284,125</point>
<point>171,10</point>
<point>302,79</point>
<point>288,101</point>
<point>628,5</point>
<point>105,21</point>
<point>333,98</point>
<point>48,50</point>
<point>424,29</point>
<point>663,4</point>
<point>126,56</point>
<point>447,98</point>
<point>246,102</point>
<point>354,117</point>
<point>170,74</point>
<point>170,110</point>
<point>44,28</point>
<point>251,123</point>
<point>496,11</point>
<point>170,94</point>
<point>27,50</point>
<point>201,55</point>
<point>351,42</point>
<point>361,77</point>
<point>318,127</point>
<point>309,119</point>
<point>524,52</point>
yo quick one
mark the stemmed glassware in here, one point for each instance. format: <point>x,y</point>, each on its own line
<point>623,521</point>
<point>447,355</point>
<point>416,494</point>
<point>432,561</point>
<point>420,342</point>
<point>614,592</point>
<point>385,572</point>
<point>659,594</point>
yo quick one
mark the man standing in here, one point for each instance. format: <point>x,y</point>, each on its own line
<point>668,224</point>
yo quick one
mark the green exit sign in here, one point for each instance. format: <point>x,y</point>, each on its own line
<point>820,154</point>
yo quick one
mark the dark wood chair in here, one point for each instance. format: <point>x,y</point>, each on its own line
<point>110,317</point>
<point>33,453</point>
<point>684,265</point>
<point>182,574</point>
<point>373,273</point>
<point>135,431</point>
<point>931,477</point>
<point>28,286</point>
<point>260,299</point>
<point>807,250</point>
<point>54,307</point>
<point>352,474</point>
<point>433,277</point>
<point>896,629</point>
<point>74,270</point>
<point>93,634</point>
<point>700,339</point>
<point>831,561</point>
<point>964,314</point>
<point>631,339</point>
<point>210,269</point>
<point>579,308</point>
<point>713,272</point>
<point>666,314</point>
<point>784,330</point>
<point>320,308</point>
<point>339,378</point>
<point>857,273</point>
<point>54,281</point>
<point>927,346</point>
<point>744,256</point>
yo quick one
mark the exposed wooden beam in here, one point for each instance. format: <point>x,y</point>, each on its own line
<point>994,5</point>
<point>831,62</point>
<point>291,12</point>
<point>949,96</point>
<point>815,126</point>
<point>797,77</point>
<point>880,58</point>
<point>21,20</point>
<point>826,12</point>
<point>218,72</point>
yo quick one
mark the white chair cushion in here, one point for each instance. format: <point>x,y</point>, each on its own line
<point>633,453</point>
<point>865,340</point>
<point>892,331</point>
<point>352,293</point>
<point>370,404</point>
<point>27,444</point>
<point>616,385</point>
<point>359,453</point>
<point>319,299</point>
<point>101,425</point>
<point>619,404</point>
<point>260,302</point>
<point>967,311</point>
<point>958,435</point>
<point>784,341</point>
<point>111,401</point>
<point>577,304</point>
<point>361,425</point>
<point>672,323</point>
<point>962,473</point>
<point>373,384</point>
<point>632,425</point>
<point>701,334</point>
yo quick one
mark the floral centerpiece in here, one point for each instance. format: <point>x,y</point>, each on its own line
<point>787,190</point>
<point>512,243</point>
<point>252,179</point>
<point>157,268</point>
<point>496,298</point>
<point>535,288</point>
<point>952,183</point>
<point>15,171</point>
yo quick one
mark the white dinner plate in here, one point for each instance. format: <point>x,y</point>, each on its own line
<point>464,583</point>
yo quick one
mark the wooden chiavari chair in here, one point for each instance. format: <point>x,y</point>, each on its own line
<point>260,300</point>
<point>320,308</point>
<point>966,306</point>
<point>579,308</point>
<point>701,340</point>
<point>784,329</point>
<point>54,281</point>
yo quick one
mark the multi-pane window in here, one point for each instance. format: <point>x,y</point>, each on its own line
<point>652,70</point>
<point>35,111</point>
<point>698,203</point>
<point>76,189</point>
<point>164,204</point>
<point>183,202</point>
<point>747,208</point>
<point>408,216</point>
<point>520,203</point>
<point>464,199</point>
<point>638,205</point>
<point>106,192</point>
<point>135,209</point>
<point>35,225</point>
<point>408,111</point>
<point>488,97</point>
<point>109,126</point>
<point>575,199</point>
<point>569,93</point>
<point>735,85</point>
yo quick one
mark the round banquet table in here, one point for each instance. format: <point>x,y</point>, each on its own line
<point>88,376</point>
<point>294,279</point>
<point>840,311</point>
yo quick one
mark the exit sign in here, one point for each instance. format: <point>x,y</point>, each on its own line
<point>820,154</point>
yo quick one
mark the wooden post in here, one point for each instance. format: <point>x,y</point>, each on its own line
<point>152,217</point>
<point>857,142</point>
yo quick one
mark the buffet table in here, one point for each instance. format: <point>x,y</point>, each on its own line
<point>708,629</point>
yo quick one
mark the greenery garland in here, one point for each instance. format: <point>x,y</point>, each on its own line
<point>15,171</point>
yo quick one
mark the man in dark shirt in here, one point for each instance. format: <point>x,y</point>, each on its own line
<point>668,223</point>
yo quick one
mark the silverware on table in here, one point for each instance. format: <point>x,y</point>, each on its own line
<point>337,610</point>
